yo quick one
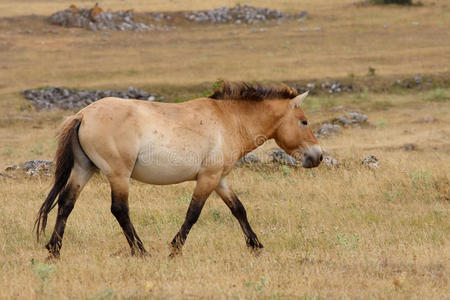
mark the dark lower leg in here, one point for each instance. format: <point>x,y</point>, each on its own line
<point>194,210</point>
<point>66,202</point>
<point>238,210</point>
<point>119,209</point>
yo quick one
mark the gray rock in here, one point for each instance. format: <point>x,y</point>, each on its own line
<point>331,161</point>
<point>353,119</point>
<point>409,147</point>
<point>281,157</point>
<point>38,167</point>
<point>311,86</point>
<point>429,119</point>
<point>371,161</point>
<point>248,159</point>
<point>303,15</point>
<point>327,130</point>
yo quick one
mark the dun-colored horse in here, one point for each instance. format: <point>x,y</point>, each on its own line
<point>165,143</point>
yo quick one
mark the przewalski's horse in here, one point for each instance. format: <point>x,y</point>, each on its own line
<point>167,143</point>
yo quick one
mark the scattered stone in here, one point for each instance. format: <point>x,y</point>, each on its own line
<point>334,87</point>
<point>338,108</point>
<point>302,16</point>
<point>429,119</point>
<point>371,161</point>
<point>327,130</point>
<point>37,167</point>
<point>310,86</point>
<point>409,147</point>
<point>353,119</point>
<point>57,97</point>
<point>416,81</point>
<point>319,28</point>
<point>331,161</point>
<point>281,157</point>
<point>97,19</point>
<point>255,30</point>
<point>239,14</point>
<point>12,168</point>
<point>33,168</point>
<point>248,159</point>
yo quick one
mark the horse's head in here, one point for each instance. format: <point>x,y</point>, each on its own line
<point>294,135</point>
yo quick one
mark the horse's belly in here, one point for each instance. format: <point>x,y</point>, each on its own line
<point>166,167</point>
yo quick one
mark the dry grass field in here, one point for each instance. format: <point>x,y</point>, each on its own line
<point>345,232</point>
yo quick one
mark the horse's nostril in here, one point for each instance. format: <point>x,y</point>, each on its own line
<point>321,157</point>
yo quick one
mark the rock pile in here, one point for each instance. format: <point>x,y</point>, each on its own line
<point>248,159</point>
<point>281,157</point>
<point>331,161</point>
<point>429,119</point>
<point>327,130</point>
<point>57,97</point>
<point>350,119</point>
<point>409,147</point>
<point>239,14</point>
<point>97,19</point>
<point>334,87</point>
<point>416,81</point>
<point>33,168</point>
<point>371,161</point>
<point>278,156</point>
<point>353,119</point>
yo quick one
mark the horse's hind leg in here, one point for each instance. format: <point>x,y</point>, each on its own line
<point>238,210</point>
<point>119,208</point>
<point>66,201</point>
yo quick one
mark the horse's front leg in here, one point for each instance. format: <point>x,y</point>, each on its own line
<point>238,211</point>
<point>206,183</point>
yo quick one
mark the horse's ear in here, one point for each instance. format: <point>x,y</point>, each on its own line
<point>297,101</point>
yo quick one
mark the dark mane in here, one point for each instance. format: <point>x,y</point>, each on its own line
<point>244,91</point>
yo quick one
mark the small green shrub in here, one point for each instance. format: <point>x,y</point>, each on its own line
<point>438,95</point>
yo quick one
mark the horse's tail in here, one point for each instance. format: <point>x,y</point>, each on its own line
<point>64,161</point>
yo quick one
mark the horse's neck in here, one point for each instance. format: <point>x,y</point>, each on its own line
<point>255,122</point>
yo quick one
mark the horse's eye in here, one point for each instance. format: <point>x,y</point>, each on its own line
<point>304,123</point>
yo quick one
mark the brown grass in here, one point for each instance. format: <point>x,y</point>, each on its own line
<point>352,40</point>
<point>347,232</point>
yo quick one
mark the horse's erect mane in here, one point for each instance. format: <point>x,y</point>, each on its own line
<point>227,90</point>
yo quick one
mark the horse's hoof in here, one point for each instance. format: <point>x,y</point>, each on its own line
<point>175,253</point>
<point>52,257</point>
<point>142,254</point>
<point>256,251</point>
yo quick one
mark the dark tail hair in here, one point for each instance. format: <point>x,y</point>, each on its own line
<point>64,160</point>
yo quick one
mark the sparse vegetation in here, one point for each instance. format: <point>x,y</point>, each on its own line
<point>438,95</point>
<point>400,2</point>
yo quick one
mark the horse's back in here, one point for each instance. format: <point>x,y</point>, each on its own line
<point>159,143</point>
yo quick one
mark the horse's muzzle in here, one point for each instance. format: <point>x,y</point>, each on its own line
<point>312,157</point>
